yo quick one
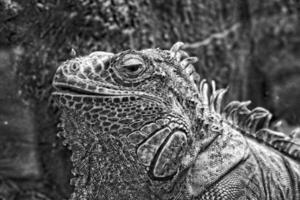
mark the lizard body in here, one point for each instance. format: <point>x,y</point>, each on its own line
<point>142,125</point>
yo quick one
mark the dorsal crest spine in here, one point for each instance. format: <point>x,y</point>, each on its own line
<point>252,123</point>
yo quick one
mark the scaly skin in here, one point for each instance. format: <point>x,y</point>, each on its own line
<point>140,127</point>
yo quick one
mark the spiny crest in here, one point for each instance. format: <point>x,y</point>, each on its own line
<point>210,97</point>
<point>253,123</point>
<point>186,62</point>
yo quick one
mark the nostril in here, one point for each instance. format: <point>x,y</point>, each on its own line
<point>74,67</point>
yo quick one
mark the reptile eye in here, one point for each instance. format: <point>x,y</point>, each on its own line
<point>132,67</point>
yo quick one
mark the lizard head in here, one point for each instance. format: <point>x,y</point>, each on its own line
<point>134,111</point>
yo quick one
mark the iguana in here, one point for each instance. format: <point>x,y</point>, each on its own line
<point>144,125</point>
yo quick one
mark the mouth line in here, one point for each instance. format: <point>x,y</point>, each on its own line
<point>67,89</point>
<point>63,89</point>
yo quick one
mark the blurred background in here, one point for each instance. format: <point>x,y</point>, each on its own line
<point>252,46</point>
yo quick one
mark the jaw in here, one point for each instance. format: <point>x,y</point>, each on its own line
<point>102,167</point>
<point>99,150</point>
<point>109,151</point>
<point>67,89</point>
<point>70,91</point>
